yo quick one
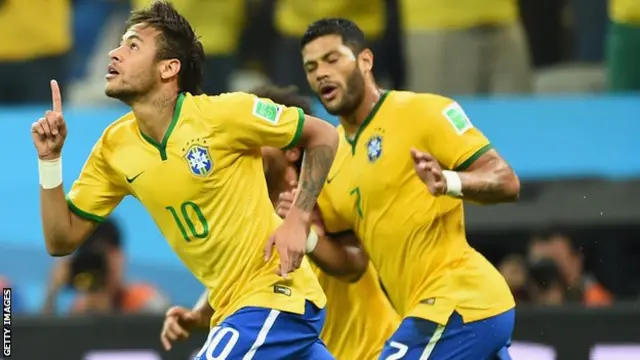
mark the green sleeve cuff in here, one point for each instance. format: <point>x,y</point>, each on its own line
<point>298,134</point>
<point>467,163</point>
<point>83,214</point>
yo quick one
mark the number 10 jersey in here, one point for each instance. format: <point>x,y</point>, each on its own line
<point>205,189</point>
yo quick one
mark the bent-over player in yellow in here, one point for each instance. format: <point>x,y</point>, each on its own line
<point>404,165</point>
<point>194,162</point>
<point>359,316</point>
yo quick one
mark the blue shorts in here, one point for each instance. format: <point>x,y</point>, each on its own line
<point>261,333</point>
<point>420,339</point>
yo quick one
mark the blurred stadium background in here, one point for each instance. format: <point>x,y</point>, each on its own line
<point>551,83</point>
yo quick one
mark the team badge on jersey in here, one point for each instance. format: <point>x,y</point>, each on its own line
<point>374,148</point>
<point>199,160</point>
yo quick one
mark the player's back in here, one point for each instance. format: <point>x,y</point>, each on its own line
<point>416,241</point>
<point>204,187</point>
<point>359,316</point>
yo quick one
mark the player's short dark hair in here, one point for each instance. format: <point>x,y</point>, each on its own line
<point>177,40</point>
<point>350,33</point>
<point>287,96</point>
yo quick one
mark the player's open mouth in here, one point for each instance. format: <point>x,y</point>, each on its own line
<point>328,92</point>
<point>111,72</point>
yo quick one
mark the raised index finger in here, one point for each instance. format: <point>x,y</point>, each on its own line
<point>56,98</point>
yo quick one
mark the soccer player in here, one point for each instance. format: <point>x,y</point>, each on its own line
<point>194,162</point>
<point>405,163</point>
<point>348,331</point>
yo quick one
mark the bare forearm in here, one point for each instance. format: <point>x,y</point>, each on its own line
<point>495,185</point>
<point>63,231</point>
<point>56,221</point>
<point>340,260</point>
<point>315,167</point>
<point>320,145</point>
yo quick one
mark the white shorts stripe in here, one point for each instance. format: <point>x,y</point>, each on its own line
<point>432,342</point>
<point>262,335</point>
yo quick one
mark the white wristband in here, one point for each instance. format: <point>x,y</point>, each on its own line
<point>454,184</point>
<point>50,173</point>
<point>312,241</point>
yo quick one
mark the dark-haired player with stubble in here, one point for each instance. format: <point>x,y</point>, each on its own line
<point>194,162</point>
<point>404,166</point>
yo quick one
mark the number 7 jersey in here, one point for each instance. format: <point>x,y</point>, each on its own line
<point>205,189</point>
<point>416,241</point>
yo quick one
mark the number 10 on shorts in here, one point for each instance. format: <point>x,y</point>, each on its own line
<point>216,336</point>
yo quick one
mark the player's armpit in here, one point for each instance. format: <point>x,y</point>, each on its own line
<point>341,256</point>
<point>489,180</point>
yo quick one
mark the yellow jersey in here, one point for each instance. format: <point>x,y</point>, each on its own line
<point>359,316</point>
<point>416,241</point>
<point>457,14</point>
<point>34,28</point>
<point>625,11</point>
<point>204,186</point>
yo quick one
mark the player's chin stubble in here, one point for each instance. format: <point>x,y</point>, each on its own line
<point>352,95</point>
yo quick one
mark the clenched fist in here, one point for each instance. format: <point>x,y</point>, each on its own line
<point>50,131</point>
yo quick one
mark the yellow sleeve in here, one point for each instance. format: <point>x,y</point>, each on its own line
<point>253,122</point>
<point>333,223</point>
<point>97,191</point>
<point>449,134</point>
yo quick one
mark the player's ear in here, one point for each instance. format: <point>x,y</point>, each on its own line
<point>169,68</point>
<point>365,60</point>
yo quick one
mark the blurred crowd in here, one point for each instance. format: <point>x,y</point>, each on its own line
<point>463,47</point>
<point>448,47</point>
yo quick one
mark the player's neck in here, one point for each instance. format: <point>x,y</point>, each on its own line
<point>154,113</point>
<point>352,122</point>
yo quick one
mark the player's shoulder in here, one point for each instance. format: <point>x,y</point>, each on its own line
<point>412,100</point>
<point>226,106</point>
<point>118,131</point>
<point>224,101</point>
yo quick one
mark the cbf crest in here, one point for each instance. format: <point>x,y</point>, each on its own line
<point>199,160</point>
<point>374,148</point>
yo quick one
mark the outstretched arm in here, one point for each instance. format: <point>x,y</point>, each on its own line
<point>63,231</point>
